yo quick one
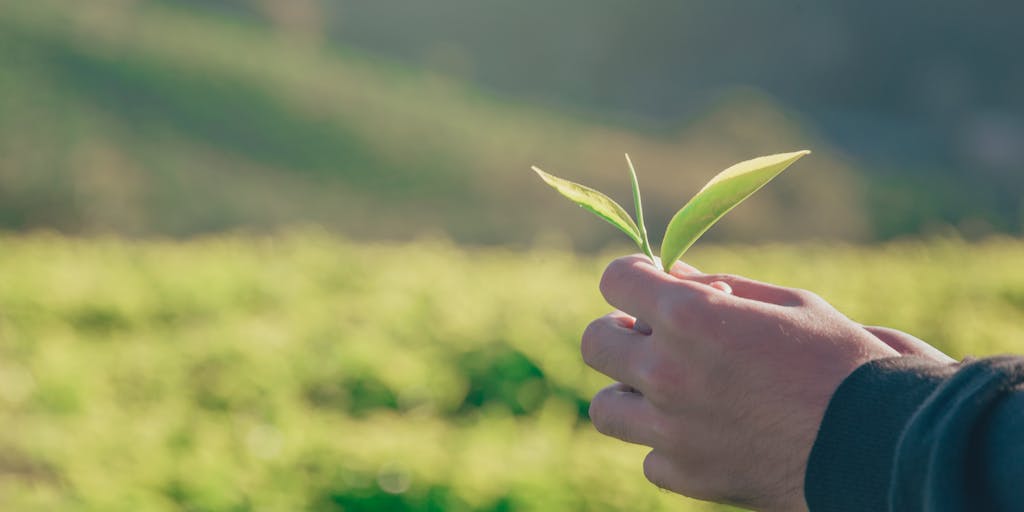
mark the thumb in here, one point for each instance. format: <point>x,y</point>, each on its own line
<point>906,344</point>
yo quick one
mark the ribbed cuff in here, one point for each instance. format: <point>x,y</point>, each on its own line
<point>850,466</point>
<point>939,455</point>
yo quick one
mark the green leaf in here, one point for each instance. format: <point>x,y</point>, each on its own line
<point>596,202</point>
<point>645,243</point>
<point>726,190</point>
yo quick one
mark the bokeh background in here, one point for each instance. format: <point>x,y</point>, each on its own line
<point>288,255</point>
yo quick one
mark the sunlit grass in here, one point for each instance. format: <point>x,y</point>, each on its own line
<point>306,372</point>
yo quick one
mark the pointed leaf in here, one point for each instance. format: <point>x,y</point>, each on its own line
<point>726,190</point>
<point>596,202</point>
<point>645,243</point>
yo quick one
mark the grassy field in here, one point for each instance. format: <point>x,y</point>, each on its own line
<point>305,372</point>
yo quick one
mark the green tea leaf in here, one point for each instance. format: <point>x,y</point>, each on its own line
<point>645,243</point>
<point>726,190</point>
<point>596,202</point>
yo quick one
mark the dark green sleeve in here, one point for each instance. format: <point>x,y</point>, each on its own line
<point>905,434</point>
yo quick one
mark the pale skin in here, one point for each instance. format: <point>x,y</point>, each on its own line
<point>729,382</point>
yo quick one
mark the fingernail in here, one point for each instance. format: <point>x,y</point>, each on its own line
<point>723,286</point>
<point>641,327</point>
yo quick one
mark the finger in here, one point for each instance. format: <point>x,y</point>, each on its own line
<point>662,471</point>
<point>609,345</point>
<point>632,284</point>
<point>620,412</point>
<point>907,344</point>
<point>681,268</point>
<point>722,286</point>
<point>753,290</point>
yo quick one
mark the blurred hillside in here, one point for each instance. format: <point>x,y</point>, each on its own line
<point>145,117</point>
<point>925,96</point>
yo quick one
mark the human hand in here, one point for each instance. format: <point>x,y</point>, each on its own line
<point>728,389</point>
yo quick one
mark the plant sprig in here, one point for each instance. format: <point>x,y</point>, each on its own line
<point>723,193</point>
<point>638,205</point>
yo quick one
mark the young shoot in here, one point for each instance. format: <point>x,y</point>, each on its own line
<point>726,190</point>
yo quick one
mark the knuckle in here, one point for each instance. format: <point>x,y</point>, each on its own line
<point>613,274</point>
<point>622,277</point>
<point>596,410</point>
<point>806,297</point>
<point>662,381</point>
<point>596,348</point>
<point>674,307</point>
<point>589,342</point>
<point>600,414</point>
<point>654,470</point>
<point>679,473</point>
<point>686,307</point>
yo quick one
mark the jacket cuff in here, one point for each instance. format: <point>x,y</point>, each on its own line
<point>851,462</point>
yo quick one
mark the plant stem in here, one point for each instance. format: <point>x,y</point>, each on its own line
<point>646,245</point>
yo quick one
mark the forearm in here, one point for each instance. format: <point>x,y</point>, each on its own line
<point>909,434</point>
<point>1000,459</point>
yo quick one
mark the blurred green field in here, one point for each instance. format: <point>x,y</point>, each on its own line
<point>306,372</point>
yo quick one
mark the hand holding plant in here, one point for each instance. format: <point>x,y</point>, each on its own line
<point>723,193</point>
<point>729,389</point>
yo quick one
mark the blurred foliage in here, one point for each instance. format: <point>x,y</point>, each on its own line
<point>145,117</point>
<point>926,96</point>
<point>306,372</point>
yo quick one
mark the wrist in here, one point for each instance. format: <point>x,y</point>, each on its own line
<point>850,463</point>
